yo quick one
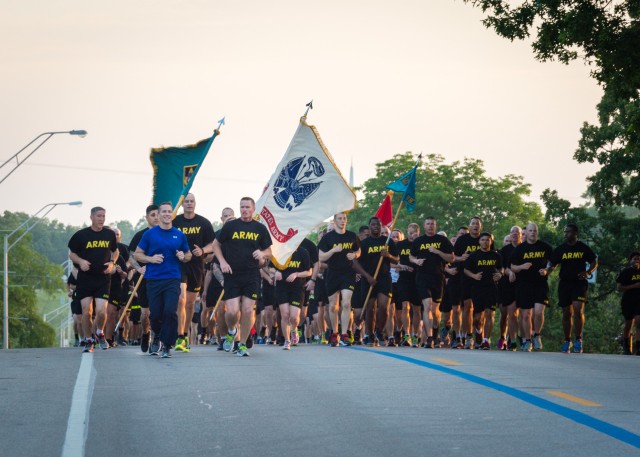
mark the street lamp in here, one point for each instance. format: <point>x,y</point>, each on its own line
<point>27,225</point>
<point>80,133</point>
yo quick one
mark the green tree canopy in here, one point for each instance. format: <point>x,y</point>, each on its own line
<point>452,193</point>
<point>605,34</point>
<point>28,270</point>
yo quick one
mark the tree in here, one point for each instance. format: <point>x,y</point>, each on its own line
<point>28,270</point>
<point>605,34</point>
<point>451,193</point>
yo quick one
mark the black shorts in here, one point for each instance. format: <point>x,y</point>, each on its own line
<point>245,284</point>
<point>383,286</point>
<point>528,294</point>
<point>484,298</point>
<point>430,286</point>
<point>466,289</point>
<point>357,298</point>
<point>290,292</point>
<point>397,303</point>
<point>135,314</point>
<point>313,308</point>
<point>268,297</point>
<point>452,293</point>
<point>339,280</point>
<point>446,305</point>
<point>94,286</point>
<point>570,291</point>
<point>630,310</point>
<point>405,291</point>
<point>507,293</point>
<point>76,307</point>
<point>320,292</point>
<point>143,301</point>
<point>213,293</point>
<point>193,275</point>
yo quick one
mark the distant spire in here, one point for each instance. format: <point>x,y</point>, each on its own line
<point>351,174</point>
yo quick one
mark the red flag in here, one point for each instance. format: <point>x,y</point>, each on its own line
<point>385,212</point>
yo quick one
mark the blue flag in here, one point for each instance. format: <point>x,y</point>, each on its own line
<point>175,169</point>
<point>407,185</point>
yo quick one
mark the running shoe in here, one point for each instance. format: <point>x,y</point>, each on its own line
<point>287,346</point>
<point>295,338</point>
<point>166,352</point>
<point>351,337</point>
<point>236,346</point>
<point>88,347</point>
<point>333,340</point>
<point>367,341</point>
<point>537,343</point>
<point>526,346</point>
<point>454,343</point>
<point>566,347</point>
<point>76,343</point>
<point>358,334</point>
<point>344,340</point>
<point>102,341</point>
<point>155,345</point>
<point>391,342</point>
<point>323,340</point>
<point>228,342</point>
<point>406,341</point>
<point>577,347</point>
<point>513,346</point>
<point>242,351</point>
<point>187,345</point>
<point>429,344</point>
<point>485,346</point>
<point>478,339</point>
<point>468,343</point>
<point>180,344</point>
<point>415,341</point>
<point>249,342</point>
<point>221,344</point>
<point>502,344</point>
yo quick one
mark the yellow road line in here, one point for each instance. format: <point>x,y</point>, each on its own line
<point>447,362</point>
<point>572,398</point>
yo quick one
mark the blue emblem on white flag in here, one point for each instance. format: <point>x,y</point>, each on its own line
<point>297,181</point>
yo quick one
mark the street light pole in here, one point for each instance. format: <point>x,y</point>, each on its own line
<point>26,224</point>
<point>80,133</point>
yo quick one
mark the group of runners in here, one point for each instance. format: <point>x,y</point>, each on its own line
<point>371,288</point>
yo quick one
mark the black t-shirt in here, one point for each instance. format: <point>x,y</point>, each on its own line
<point>572,259</point>
<point>312,249</point>
<point>133,245</point>
<point>239,240</point>
<point>95,247</point>
<point>299,262</point>
<point>627,277</point>
<point>370,249</point>
<point>338,260</point>
<point>538,254</point>
<point>506,252</point>
<point>199,232</point>
<point>488,263</point>
<point>404,250</point>
<point>433,264</point>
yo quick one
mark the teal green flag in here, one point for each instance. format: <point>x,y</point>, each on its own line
<point>175,169</point>
<point>407,185</point>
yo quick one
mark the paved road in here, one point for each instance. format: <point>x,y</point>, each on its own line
<point>318,401</point>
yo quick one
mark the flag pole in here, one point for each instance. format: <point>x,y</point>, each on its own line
<point>309,106</point>
<point>126,308</point>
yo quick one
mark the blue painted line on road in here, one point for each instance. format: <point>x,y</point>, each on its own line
<point>604,427</point>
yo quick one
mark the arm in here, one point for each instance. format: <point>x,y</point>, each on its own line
<point>217,250</point>
<point>476,276</point>
<point>358,268</point>
<point>83,264</point>
<point>621,288</point>
<point>586,274</point>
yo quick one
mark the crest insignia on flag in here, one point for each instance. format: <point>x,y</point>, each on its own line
<point>187,173</point>
<point>297,181</point>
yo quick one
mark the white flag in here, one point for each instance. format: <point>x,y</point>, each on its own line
<point>305,189</point>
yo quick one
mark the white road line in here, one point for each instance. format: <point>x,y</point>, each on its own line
<point>78,424</point>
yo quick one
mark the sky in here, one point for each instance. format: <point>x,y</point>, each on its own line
<point>385,78</point>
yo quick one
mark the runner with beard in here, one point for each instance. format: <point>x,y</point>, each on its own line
<point>484,268</point>
<point>244,246</point>
<point>200,235</point>
<point>465,245</point>
<point>530,261</point>
<point>94,251</point>
<point>507,297</point>
<point>377,312</point>
<point>573,256</point>
<point>152,217</point>
<point>430,252</point>
<point>338,248</point>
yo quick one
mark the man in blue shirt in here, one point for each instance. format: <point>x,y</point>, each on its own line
<point>163,248</point>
